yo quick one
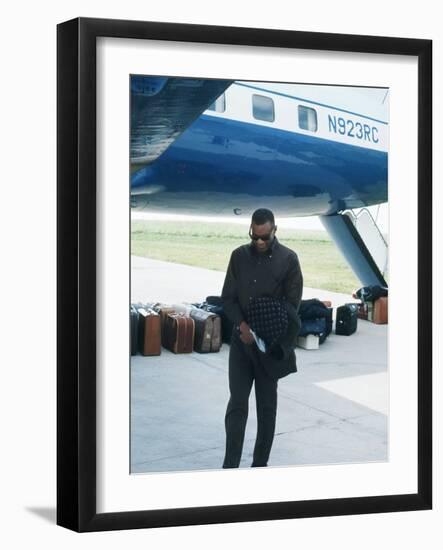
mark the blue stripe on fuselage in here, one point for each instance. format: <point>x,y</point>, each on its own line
<point>216,154</point>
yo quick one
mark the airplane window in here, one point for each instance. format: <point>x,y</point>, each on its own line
<point>307,118</point>
<point>263,108</point>
<point>219,105</point>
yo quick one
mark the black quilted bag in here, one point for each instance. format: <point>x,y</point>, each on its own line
<point>268,318</point>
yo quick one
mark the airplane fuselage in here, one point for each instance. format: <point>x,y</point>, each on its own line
<point>310,159</point>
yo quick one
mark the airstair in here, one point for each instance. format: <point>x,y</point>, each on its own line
<point>372,237</point>
<point>362,244</point>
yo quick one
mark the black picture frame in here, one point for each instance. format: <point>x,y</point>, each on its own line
<point>76,274</point>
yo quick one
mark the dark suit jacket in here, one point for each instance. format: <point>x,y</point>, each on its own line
<point>277,274</point>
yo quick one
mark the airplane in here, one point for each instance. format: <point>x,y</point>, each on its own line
<point>224,148</point>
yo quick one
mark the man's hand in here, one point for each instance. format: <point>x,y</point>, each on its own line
<point>245,334</point>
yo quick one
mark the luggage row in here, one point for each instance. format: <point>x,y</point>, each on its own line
<point>316,316</point>
<point>180,328</point>
<point>203,327</point>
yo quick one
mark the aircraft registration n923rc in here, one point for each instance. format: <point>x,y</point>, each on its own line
<point>225,148</point>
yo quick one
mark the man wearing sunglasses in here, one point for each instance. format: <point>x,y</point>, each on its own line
<point>262,268</point>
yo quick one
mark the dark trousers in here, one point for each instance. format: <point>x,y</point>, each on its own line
<point>244,369</point>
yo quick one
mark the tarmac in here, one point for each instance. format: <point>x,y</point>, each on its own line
<point>334,410</point>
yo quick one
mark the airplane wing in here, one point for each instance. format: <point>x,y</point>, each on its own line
<point>161,110</point>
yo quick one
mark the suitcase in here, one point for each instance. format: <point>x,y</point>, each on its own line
<point>362,312</point>
<point>365,311</point>
<point>149,332</point>
<point>134,330</point>
<point>207,337</point>
<point>380,314</point>
<point>214,304</point>
<point>163,310</point>
<point>346,319</point>
<point>179,333</point>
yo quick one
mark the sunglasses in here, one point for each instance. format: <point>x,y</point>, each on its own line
<point>261,237</point>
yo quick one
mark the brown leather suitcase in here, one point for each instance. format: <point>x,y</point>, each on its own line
<point>208,332</point>
<point>149,332</point>
<point>380,314</point>
<point>179,333</point>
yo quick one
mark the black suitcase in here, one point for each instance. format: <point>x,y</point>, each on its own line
<point>134,330</point>
<point>346,319</point>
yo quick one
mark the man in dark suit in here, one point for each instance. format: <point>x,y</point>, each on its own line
<point>262,268</point>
